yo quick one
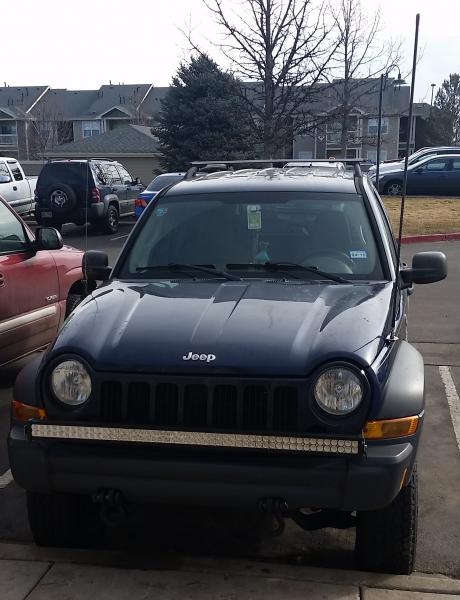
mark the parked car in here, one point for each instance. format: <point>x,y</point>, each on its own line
<point>17,189</point>
<point>40,284</point>
<point>434,176</point>
<point>97,191</point>
<point>415,158</point>
<point>152,190</point>
<point>251,351</point>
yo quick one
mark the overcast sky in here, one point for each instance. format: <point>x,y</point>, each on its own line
<point>81,44</point>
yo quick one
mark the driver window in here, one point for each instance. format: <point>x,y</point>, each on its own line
<point>5,176</point>
<point>12,236</point>
<point>125,176</point>
<point>436,165</point>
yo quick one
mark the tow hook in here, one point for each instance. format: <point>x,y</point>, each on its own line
<point>112,506</point>
<point>277,509</point>
<point>323,518</point>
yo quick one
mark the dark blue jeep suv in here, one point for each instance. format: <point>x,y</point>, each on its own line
<point>248,349</point>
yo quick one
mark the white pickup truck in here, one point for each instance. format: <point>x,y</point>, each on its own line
<point>17,189</point>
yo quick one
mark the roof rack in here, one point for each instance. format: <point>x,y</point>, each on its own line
<point>59,158</point>
<point>355,162</point>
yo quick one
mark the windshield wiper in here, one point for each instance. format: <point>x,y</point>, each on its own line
<point>288,266</point>
<point>186,268</point>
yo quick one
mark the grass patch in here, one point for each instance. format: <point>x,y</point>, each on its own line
<point>424,215</point>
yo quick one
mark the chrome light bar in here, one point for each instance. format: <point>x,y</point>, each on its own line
<point>195,438</point>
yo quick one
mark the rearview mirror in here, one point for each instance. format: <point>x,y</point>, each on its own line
<point>95,265</point>
<point>427,267</point>
<point>47,238</point>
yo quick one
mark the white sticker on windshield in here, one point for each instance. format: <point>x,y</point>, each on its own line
<point>160,212</point>
<point>358,254</point>
<point>254,216</point>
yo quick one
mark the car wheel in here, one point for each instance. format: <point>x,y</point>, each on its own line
<point>73,300</point>
<point>386,539</point>
<point>50,223</point>
<point>63,520</point>
<point>110,221</point>
<point>393,188</point>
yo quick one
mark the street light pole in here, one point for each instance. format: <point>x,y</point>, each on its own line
<point>433,85</point>
<point>379,131</point>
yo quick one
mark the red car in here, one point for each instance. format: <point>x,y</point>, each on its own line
<point>40,284</point>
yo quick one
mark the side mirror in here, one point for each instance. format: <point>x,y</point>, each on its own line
<point>95,265</point>
<point>427,267</point>
<point>47,238</point>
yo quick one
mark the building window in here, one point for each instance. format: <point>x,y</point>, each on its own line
<point>8,133</point>
<point>91,128</point>
<point>334,131</point>
<point>372,155</point>
<point>373,126</point>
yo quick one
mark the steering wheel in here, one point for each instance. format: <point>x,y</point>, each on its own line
<point>336,254</point>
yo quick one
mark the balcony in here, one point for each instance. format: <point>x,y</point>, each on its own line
<point>8,139</point>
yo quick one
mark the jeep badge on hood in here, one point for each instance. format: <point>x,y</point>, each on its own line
<point>203,357</point>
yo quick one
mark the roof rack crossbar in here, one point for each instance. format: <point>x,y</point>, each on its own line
<point>350,161</point>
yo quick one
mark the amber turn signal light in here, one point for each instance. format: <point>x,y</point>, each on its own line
<point>24,412</point>
<point>390,428</point>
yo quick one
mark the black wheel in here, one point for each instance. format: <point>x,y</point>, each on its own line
<point>62,197</point>
<point>63,520</point>
<point>110,220</point>
<point>51,223</point>
<point>386,539</point>
<point>73,300</point>
<point>393,188</point>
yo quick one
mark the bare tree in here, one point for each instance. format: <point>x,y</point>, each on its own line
<point>279,49</point>
<point>49,130</point>
<point>359,60</point>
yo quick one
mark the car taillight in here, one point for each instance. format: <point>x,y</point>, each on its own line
<point>95,195</point>
<point>140,203</point>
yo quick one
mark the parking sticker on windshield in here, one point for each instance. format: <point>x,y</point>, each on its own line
<point>254,216</point>
<point>160,212</point>
<point>358,254</point>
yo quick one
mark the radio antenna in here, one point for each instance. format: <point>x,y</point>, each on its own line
<point>396,287</point>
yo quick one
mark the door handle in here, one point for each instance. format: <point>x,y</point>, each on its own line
<point>2,280</point>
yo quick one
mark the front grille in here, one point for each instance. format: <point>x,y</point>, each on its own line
<point>228,406</point>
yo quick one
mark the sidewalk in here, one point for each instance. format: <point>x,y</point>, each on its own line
<point>30,573</point>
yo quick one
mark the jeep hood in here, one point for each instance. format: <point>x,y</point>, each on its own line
<point>253,328</point>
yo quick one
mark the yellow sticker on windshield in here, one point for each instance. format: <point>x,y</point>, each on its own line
<point>254,216</point>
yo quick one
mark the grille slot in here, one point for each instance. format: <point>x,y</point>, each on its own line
<point>138,403</point>
<point>166,404</point>
<point>255,407</point>
<point>285,409</point>
<point>111,402</point>
<point>225,407</point>
<point>195,405</point>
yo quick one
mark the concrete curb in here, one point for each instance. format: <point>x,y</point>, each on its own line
<point>418,582</point>
<point>432,237</point>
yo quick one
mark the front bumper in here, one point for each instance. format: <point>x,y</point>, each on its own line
<point>212,476</point>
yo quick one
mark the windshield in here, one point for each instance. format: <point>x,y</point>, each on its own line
<point>162,181</point>
<point>241,232</point>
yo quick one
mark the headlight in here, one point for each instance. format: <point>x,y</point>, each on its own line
<point>71,382</point>
<point>339,391</point>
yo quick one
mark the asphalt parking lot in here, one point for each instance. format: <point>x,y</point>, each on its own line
<point>434,328</point>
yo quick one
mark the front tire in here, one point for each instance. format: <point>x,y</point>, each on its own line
<point>63,520</point>
<point>386,539</point>
<point>393,188</point>
<point>73,300</point>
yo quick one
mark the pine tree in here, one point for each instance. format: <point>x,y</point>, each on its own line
<point>446,114</point>
<point>203,117</point>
